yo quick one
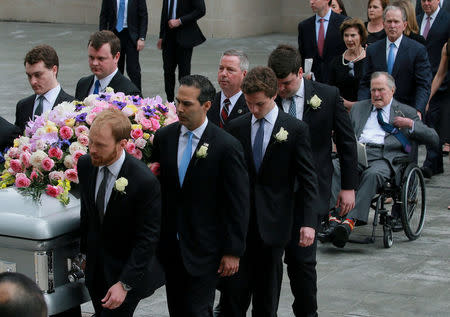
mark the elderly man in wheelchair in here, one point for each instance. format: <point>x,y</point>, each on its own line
<point>385,130</point>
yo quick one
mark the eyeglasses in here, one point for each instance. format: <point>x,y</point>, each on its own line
<point>351,71</point>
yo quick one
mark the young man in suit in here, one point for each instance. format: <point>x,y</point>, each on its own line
<point>178,35</point>
<point>120,219</point>
<point>131,32</point>
<point>41,66</point>
<point>435,28</point>
<point>369,120</point>
<point>319,38</point>
<point>279,159</point>
<point>229,103</point>
<point>104,54</point>
<point>321,107</point>
<point>405,59</point>
<point>205,190</point>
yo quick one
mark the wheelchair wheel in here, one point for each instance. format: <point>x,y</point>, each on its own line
<point>388,239</point>
<point>413,202</point>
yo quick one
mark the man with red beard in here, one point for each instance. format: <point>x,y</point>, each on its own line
<point>120,219</point>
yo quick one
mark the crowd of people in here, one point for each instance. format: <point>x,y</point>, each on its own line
<point>246,175</point>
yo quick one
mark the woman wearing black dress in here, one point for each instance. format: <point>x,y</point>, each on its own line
<point>374,26</point>
<point>346,69</point>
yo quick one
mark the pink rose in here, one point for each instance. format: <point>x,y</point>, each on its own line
<point>154,167</point>
<point>146,123</point>
<point>76,155</point>
<point>25,148</point>
<point>81,129</point>
<point>130,147</point>
<point>90,118</point>
<point>83,139</point>
<point>137,154</point>
<point>140,143</point>
<point>13,152</point>
<point>56,175</point>
<point>65,132</point>
<point>22,180</point>
<point>72,175</point>
<point>16,166</point>
<point>47,164</point>
<point>25,159</point>
<point>33,175</point>
<point>155,124</point>
<point>137,133</point>
<point>54,191</point>
<point>55,152</point>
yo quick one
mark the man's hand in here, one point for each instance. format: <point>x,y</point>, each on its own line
<point>140,45</point>
<point>159,44</point>
<point>229,265</point>
<point>174,23</point>
<point>346,201</point>
<point>307,236</point>
<point>114,297</point>
<point>402,122</point>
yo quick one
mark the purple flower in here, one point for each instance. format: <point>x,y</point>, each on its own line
<point>162,108</point>
<point>119,104</point>
<point>79,106</point>
<point>81,117</point>
<point>149,111</point>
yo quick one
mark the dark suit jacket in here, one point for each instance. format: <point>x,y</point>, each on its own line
<point>125,243</point>
<point>210,212</point>
<point>137,17</point>
<point>239,109</point>
<point>119,83</point>
<point>273,186</point>
<point>437,37</point>
<point>333,46</point>
<point>8,132</point>
<point>24,108</point>
<point>188,11</point>
<point>419,9</point>
<point>331,116</point>
<point>412,72</point>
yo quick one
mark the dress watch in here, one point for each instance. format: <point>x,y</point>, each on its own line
<point>142,39</point>
<point>126,287</point>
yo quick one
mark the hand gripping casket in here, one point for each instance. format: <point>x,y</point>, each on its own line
<point>41,240</point>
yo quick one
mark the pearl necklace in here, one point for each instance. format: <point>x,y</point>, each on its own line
<point>343,63</point>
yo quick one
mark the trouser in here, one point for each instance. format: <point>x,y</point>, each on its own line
<point>434,159</point>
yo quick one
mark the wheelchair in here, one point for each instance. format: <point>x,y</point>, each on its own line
<point>407,190</point>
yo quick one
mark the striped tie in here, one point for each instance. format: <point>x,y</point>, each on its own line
<point>224,112</point>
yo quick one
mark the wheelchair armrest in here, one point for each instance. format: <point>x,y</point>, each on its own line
<point>403,160</point>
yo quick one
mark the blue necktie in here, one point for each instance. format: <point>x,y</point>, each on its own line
<point>120,16</point>
<point>293,108</point>
<point>389,128</point>
<point>96,86</point>
<point>391,58</point>
<point>258,145</point>
<point>184,163</point>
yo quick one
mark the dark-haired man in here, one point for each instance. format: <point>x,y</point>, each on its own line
<point>41,66</point>
<point>205,190</point>
<point>321,107</point>
<point>104,53</point>
<point>20,297</point>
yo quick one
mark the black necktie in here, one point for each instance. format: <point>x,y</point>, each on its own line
<point>40,106</point>
<point>100,200</point>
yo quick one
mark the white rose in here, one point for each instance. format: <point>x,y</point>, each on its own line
<point>120,184</point>
<point>140,143</point>
<point>203,151</point>
<point>77,146</point>
<point>282,135</point>
<point>315,102</point>
<point>90,100</point>
<point>68,161</point>
<point>40,144</point>
<point>37,157</point>
<point>109,90</point>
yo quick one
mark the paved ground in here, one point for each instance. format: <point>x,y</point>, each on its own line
<point>410,279</point>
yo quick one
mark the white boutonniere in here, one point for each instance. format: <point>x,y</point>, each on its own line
<point>315,102</point>
<point>120,185</point>
<point>282,135</point>
<point>202,151</point>
<point>109,90</point>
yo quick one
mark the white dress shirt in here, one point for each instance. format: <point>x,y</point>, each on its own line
<point>269,123</point>
<point>49,99</point>
<point>233,99</point>
<point>373,132</point>
<point>325,24</point>
<point>103,82</point>
<point>183,139</point>
<point>397,45</point>
<point>173,14</point>
<point>125,14</point>
<point>114,170</point>
<point>424,20</point>
<point>299,99</point>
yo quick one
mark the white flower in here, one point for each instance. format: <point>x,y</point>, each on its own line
<point>282,135</point>
<point>90,100</point>
<point>315,102</point>
<point>109,90</point>
<point>37,157</point>
<point>120,184</point>
<point>140,143</point>
<point>68,161</point>
<point>77,146</point>
<point>202,151</point>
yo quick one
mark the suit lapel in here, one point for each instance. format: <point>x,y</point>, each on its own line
<point>238,108</point>
<point>381,58</point>
<point>173,154</point>
<point>309,92</point>
<point>401,52</point>
<point>93,181</point>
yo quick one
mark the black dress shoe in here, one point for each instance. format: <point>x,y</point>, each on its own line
<point>426,171</point>
<point>342,232</point>
<point>328,234</point>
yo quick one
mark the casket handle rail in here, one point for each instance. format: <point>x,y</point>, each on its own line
<point>43,264</point>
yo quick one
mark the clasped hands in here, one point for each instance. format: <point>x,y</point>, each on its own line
<point>229,265</point>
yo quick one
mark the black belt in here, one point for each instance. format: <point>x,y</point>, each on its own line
<point>374,145</point>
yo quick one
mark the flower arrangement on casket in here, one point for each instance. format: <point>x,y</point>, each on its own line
<point>45,158</point>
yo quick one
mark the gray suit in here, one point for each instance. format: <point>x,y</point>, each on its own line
<point>381,160</point>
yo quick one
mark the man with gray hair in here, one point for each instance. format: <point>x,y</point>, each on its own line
<point>229,103</point>
<point>405,59</point>
<point>387,128</point>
